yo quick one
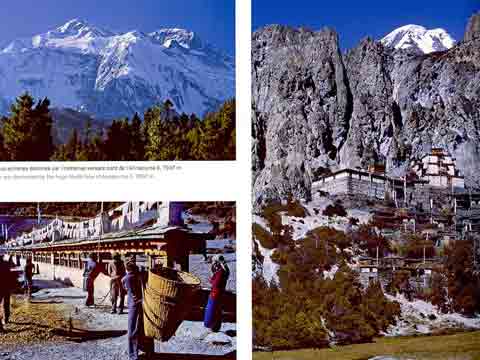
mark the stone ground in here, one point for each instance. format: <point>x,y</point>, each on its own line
<point>37,330</point>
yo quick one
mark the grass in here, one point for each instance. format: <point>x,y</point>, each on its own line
<point>461,346</point>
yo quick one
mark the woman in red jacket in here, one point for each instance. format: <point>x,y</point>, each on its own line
<point>213,311</point>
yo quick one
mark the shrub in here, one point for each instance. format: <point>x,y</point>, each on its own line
<point>438,292</point>
<point>400,283</point>
<point>263,236</point>
<point>367,239</point>
<point>353,221</point>
<point>335,209</point>
<point>415,246</point>
<point>462,280</point>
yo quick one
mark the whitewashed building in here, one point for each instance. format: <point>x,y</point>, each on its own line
<point>438,169</point>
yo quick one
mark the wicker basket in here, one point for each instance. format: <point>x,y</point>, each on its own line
<point>168,299</point>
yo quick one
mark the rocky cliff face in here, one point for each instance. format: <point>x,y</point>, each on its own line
<point>315,108</point>
<point>473,28</point>
<point>301,107</point>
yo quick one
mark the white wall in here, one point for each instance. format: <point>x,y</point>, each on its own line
<point>72,276</point>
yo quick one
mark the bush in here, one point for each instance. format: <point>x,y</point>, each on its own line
<point>263,236</point>
<point>367,239</point>
<point>415,246</point>
<point>438,292</point>
<point>462,280</point>
<point>336,209</point>
<point>294,208</point>
<point>400,283</point>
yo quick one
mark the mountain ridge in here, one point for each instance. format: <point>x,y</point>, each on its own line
<point>112,74</point>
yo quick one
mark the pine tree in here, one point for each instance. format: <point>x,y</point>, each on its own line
<point>98,147</point>
<point>155,135</point>
<point>73,145</point>
<point>27,133</point>
<point>137,150</point>
<point>114,147</point>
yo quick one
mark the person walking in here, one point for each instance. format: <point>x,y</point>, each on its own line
<point>132,282</point>
<point>92,270</point>
<point>213,311</point>
<point>28,272</point>
<point>116,271</point>
<point>6,287</point>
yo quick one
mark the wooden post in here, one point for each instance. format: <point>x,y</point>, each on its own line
<point>52,260</point>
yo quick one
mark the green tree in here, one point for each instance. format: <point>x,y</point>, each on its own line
<point>27,132</point>
<point>218,141</point>
<point>157,135</point>
<point>137,141</point>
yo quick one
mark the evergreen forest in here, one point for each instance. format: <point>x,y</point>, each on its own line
<point>26,134</point>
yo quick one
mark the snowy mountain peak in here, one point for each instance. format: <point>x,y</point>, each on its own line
<point>184,38</point>
<point>78,27</point>
<point>419,39</point>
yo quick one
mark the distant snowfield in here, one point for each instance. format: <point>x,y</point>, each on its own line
<point>420,317</point>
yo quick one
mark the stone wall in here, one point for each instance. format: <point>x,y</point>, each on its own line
<point>350,183</point>
<point>371,187</point>
<point>333,186</point>
<point>421,195</point>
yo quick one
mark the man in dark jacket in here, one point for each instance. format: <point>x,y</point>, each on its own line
<point>132,282</point>
<point>116,271</point>
<point>28,271</point>
<point>7,285</point>
<point>92,270</point>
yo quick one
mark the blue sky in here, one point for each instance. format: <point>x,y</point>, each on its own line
<point>355,19</point>
<point>213,20</point>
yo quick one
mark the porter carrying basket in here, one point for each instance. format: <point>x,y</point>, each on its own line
<point>168,299</point>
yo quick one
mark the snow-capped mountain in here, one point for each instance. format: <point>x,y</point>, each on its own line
<point>110,74</point>
<point>419,39</point>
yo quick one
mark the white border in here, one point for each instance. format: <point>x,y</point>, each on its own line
<point>197,181</point>
<point>243,183</point>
